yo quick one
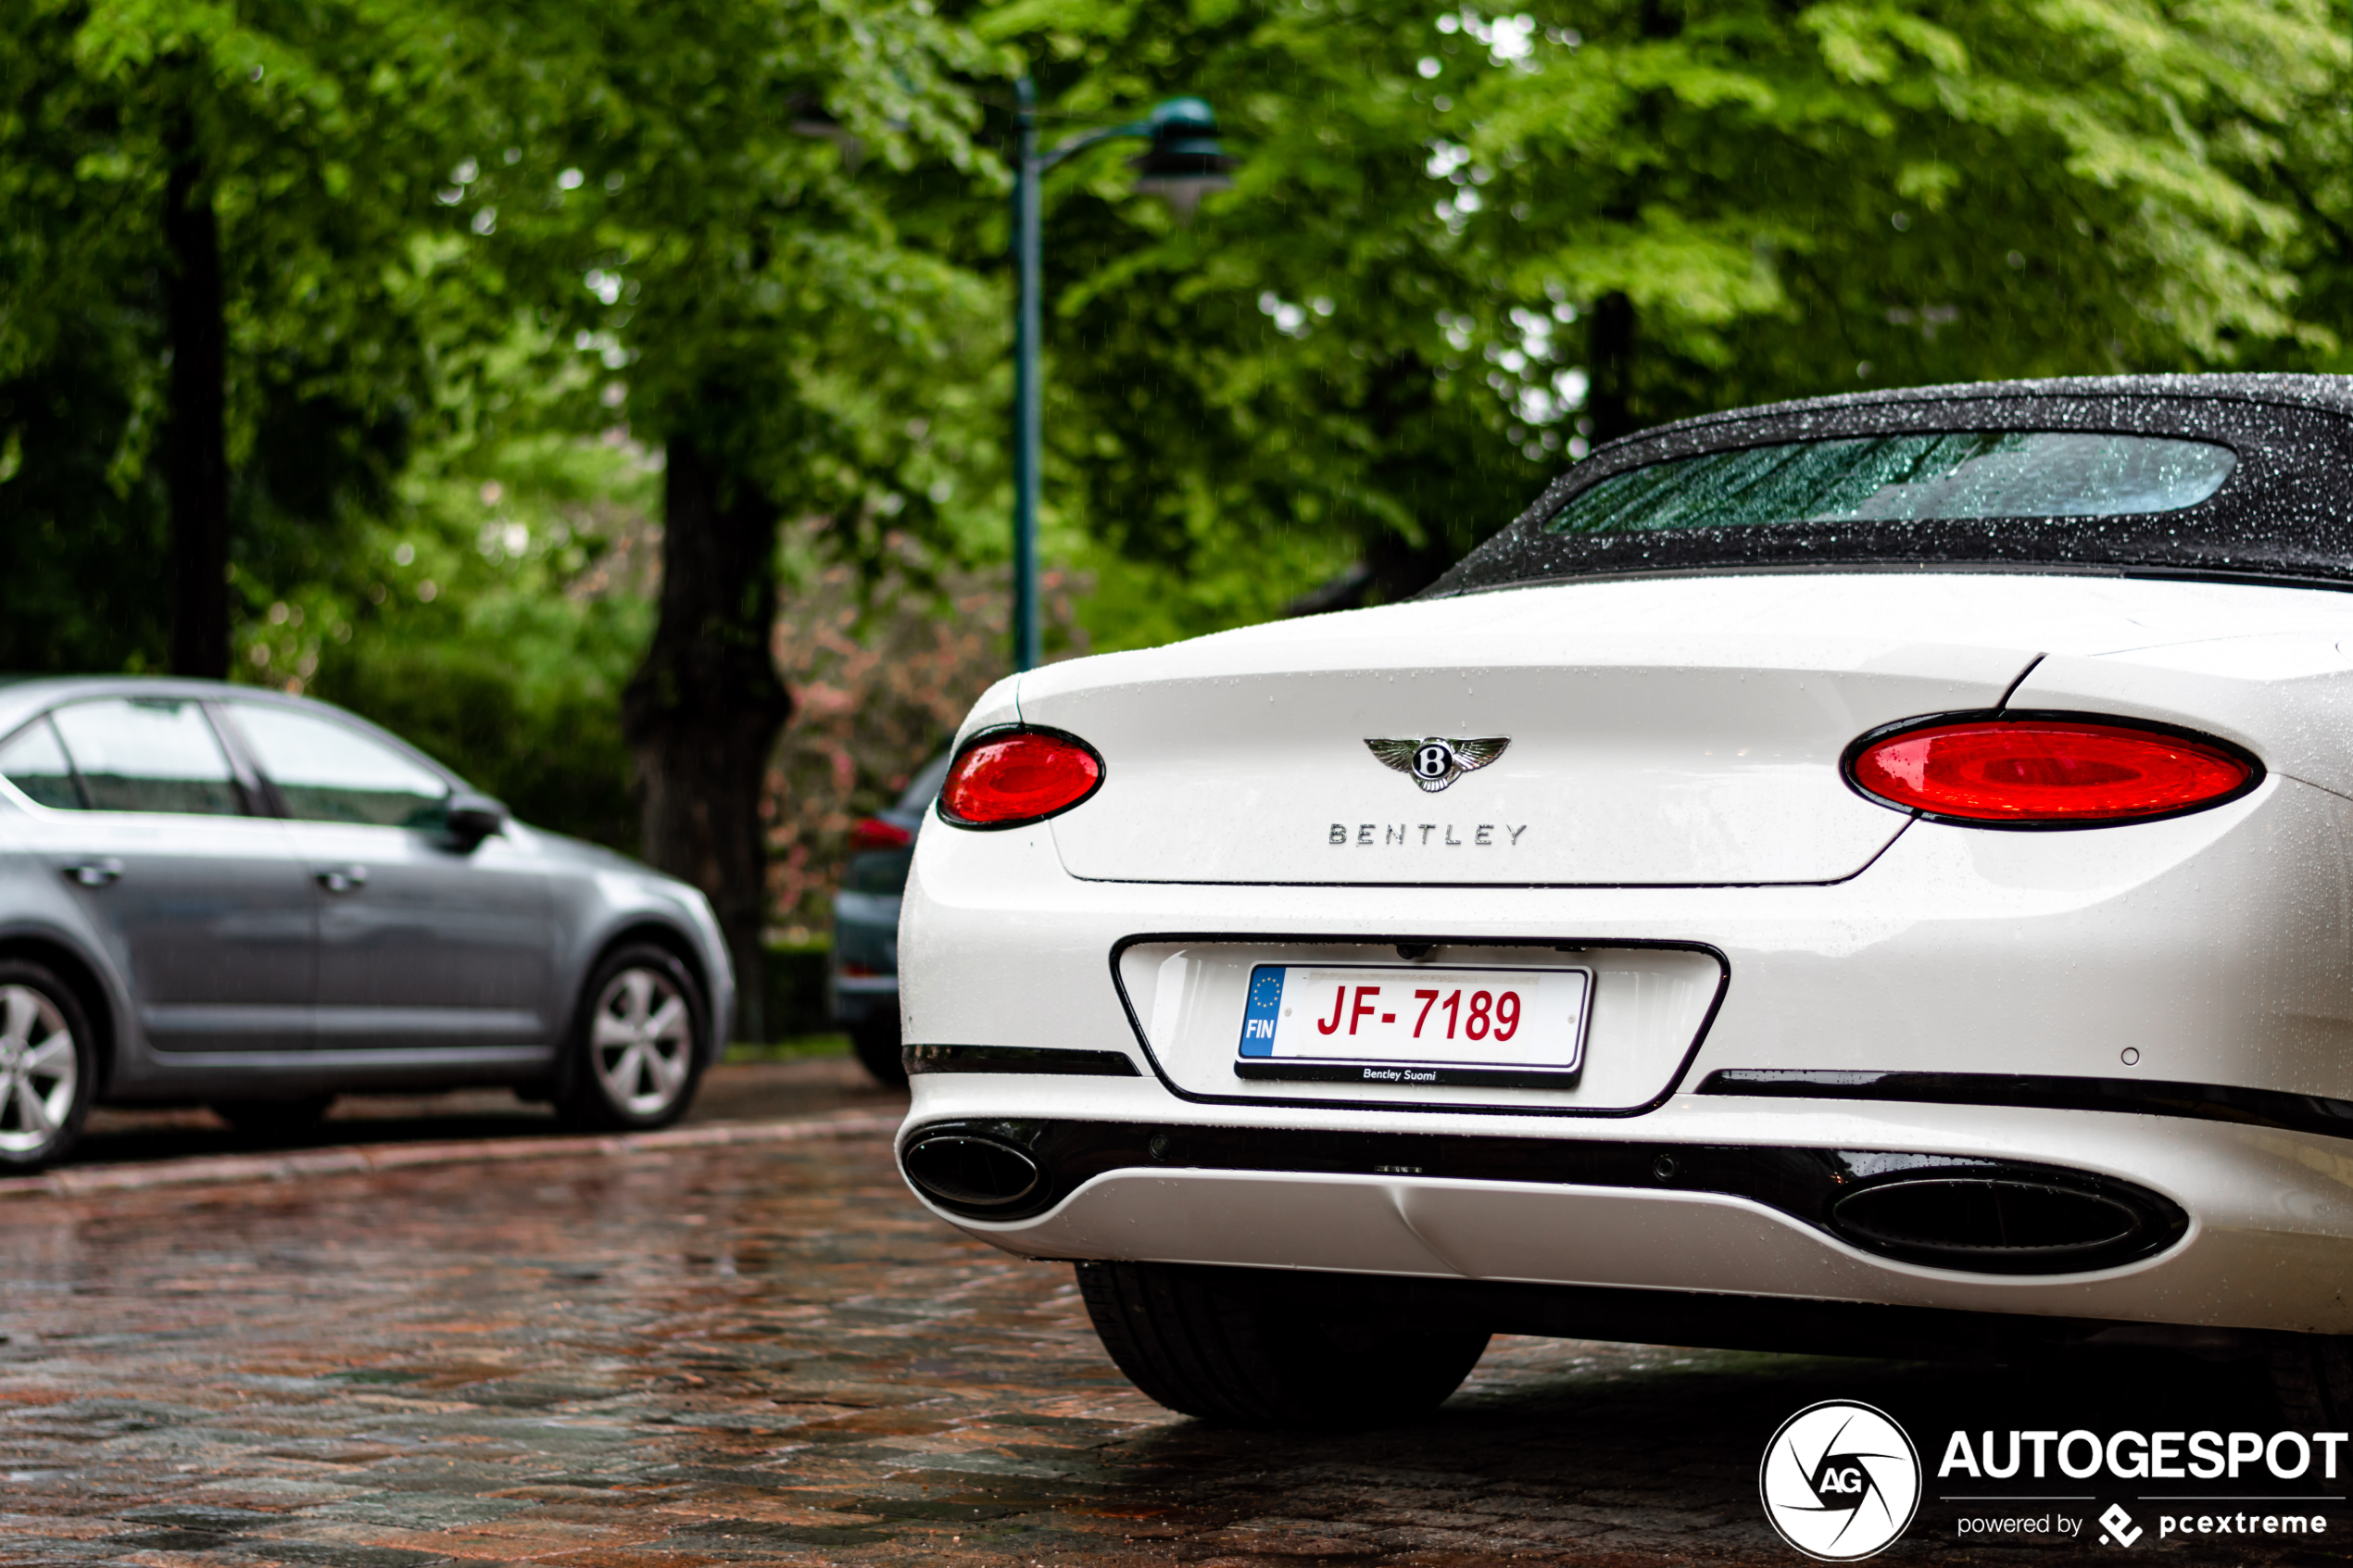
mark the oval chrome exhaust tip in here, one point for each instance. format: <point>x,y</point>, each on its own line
<point>971,1175</point>
<point>1994,1224</point>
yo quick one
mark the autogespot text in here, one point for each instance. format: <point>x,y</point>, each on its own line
<point>2138,1456</point>
<point>2242,1468</point>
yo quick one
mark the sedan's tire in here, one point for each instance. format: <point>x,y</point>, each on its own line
<point>1207,1346</point>
<point>274,1118</point>
<point>2313,1379</point>
<point>876,1042</point>
<point>636,1052</point>
<point>48,1066</point>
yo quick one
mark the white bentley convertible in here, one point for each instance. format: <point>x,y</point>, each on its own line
<point>1872,875</point>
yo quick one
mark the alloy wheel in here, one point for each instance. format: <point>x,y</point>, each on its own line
<point>641,1041</point>
<point>39,1070</point>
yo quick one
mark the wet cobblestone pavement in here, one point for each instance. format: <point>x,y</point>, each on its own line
<point>771,1354</point>
<point>731,1093</point>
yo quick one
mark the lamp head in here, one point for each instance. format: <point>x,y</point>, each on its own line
<point>1184,161</point>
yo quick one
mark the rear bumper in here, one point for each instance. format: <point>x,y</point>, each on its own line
<point>2214,950</point>
<point>2265,1242</point>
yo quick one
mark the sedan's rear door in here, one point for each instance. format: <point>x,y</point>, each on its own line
<point>421,944</point>
<point>210,912</point>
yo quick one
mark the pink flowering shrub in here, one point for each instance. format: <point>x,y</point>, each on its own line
<point>881,671</point>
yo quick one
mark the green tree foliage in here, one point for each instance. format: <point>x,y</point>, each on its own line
<point>695,200</point>
<point>697,240</point>
<point>2307,167</point>
<point>276,152</point>
<point>81,539</point>
<point>668,195</point>
<point>496,624</point>
<point>1462,245</point>
<point>1939,193</point>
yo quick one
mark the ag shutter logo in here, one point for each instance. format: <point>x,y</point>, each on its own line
<point>1841,1481</point>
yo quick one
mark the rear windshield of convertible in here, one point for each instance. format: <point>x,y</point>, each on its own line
<point>1910,478</point>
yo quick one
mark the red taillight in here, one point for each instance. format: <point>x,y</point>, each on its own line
<point>2056,772</point>
<point>1005,778</point>
<point>876,834</point>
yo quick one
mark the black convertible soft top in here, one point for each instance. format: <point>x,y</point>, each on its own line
<point>2282,514</point>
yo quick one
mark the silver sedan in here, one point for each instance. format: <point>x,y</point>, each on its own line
<point>215,894</point>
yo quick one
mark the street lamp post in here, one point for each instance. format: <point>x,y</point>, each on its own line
<point>1183,163</point>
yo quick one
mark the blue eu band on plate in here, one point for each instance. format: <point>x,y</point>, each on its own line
<point>1418,1014</point>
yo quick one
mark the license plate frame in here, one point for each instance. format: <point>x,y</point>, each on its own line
<point>1268,1042</point>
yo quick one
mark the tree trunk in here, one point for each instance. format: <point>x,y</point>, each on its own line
<point>1609,394</point>
<point>195,453</point>
<point>703,711</point>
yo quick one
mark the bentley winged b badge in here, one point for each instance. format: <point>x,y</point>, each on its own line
<point>1434,761</point>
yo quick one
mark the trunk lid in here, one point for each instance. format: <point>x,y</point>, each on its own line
<point>1679,731</point>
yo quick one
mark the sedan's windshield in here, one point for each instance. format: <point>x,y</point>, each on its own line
<point>1905,478</point>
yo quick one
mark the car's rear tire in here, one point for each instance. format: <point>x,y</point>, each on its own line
<point>1203,1342</point>
<point>636,1053</point>
<point>877,1044</point>
<point>2313,1379</point>
<point>274,1118</point>
<point>48,1066</point>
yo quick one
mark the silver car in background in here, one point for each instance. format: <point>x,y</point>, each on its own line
<point>216,895</point>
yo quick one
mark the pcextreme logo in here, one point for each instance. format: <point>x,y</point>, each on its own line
<point>1841,1481</point>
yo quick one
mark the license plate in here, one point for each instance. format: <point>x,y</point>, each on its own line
<point>1417,1024</point>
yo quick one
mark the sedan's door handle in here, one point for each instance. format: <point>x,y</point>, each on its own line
<point>95,874</point>
<point>343,879</point>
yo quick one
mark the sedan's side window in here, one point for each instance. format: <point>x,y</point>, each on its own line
<point>329,772</point>
<point>33,761</point>
<point>149,754</point>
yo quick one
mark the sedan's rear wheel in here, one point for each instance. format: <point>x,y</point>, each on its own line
<point>47,1069</point>
<point>636,1055</point>
<point>1205,1342</point>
